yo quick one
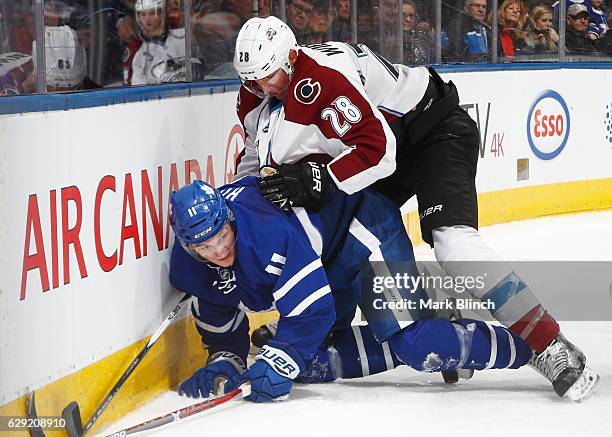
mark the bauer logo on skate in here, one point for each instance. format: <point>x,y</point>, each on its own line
<point>548,125</point>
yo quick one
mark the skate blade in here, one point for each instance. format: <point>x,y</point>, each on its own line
<point>584,386</point>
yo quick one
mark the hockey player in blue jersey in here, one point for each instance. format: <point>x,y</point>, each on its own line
<point>237,252</point>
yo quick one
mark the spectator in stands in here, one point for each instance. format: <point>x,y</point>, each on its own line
<point>468,38</point>
<point>418,37</point>
<point>263,8</point>
<point>577,23</point>
<point>16,74</point>
<point>598,20</point>
<point>299,15</point>
<point>541,37</point>
<point>242,8</point>
<point>511,37</point>
<point>323,14</point>
<point>341,27</point>
<point>213,39</point>
<point>523,21</point>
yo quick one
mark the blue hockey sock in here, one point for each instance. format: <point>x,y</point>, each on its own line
<point>353,353</point>
<point>438,344</point>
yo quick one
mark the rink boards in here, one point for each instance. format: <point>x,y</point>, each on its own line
<point>86,239</point>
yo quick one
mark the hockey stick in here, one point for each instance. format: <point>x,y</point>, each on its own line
<point>72,413</point>
<point>184,413</point>
<point>35,430</point>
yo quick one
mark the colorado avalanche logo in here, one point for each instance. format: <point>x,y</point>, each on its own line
<point>307,92</point>
<point>270,34</point>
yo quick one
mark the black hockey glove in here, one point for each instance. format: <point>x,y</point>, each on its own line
<point>308,185</point>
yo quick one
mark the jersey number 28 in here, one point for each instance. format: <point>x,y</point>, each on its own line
<point>350,113</point>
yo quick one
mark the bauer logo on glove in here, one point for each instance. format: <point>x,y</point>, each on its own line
<point>280,361</point>
<point>308,184</point>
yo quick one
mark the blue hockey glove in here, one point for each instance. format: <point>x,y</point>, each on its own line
<point>224,365</point>
<point>271,376</point>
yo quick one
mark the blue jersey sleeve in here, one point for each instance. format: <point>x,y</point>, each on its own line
<point>302,295</point>
<point>222,328</point>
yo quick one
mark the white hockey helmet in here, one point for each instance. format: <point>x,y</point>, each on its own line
<point>66,60</point>
<point>262,47</point>
<point>147,5</point>
<point>151,29</point>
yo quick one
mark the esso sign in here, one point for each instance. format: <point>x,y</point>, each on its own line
<point>548,125</point>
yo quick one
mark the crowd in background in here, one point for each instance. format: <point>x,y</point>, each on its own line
<point>105,43</point>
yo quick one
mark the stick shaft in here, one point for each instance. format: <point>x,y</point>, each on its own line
<point>183,413</point>
<point>109,397</point>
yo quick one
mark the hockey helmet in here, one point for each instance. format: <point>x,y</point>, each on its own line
<point>151,27</point>
<point>262,47</point>
<point>197,213</point>
<point>65,57</point>
<point>147,5</point>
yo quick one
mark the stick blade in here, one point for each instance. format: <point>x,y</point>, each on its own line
<point>35,431</point>
<point>72,416</point>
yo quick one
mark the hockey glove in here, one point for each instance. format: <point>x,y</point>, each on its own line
<point>271,376</point>
<point>225,365</point>
<point>308,185</point>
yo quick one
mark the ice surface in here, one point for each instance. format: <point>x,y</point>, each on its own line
<point>494,403</point>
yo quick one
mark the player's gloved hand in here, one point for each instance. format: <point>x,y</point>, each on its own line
<point>308,185</point>
<point>271,376</point>
<point>225,365</point>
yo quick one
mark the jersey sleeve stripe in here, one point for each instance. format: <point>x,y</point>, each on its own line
<point>313,234</point>
<point>309,301</point>
<point>364,236</point>
<point>278,258</point>
<point>278,294</point>
<point>274,270</point>
<point>195,306</point>
<point>233,323</point>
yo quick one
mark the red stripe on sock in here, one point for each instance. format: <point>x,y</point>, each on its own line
<point>543,333</point>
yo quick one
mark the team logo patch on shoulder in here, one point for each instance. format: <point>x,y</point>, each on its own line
<point>306,91</point>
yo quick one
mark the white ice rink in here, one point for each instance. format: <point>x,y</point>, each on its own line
<point>402,402</point>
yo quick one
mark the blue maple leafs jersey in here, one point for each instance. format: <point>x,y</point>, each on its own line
<point>278,265</point>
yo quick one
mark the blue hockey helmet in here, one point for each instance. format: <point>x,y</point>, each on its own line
<point>197,213</point>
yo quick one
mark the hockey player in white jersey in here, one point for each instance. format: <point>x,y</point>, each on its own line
<point>158,52</point>
<point>236,252</point>
<point>338,116</point>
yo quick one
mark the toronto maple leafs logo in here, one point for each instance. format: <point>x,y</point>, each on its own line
<point>227,282</point>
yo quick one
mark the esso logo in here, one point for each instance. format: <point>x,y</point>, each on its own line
<point>548,125</point>
<point>235,144</point>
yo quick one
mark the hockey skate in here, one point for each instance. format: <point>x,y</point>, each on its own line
<point>564,365</point>
<point>262,335</point>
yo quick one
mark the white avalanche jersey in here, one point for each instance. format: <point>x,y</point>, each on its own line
<point>149,63</point>
<point>341,100</point>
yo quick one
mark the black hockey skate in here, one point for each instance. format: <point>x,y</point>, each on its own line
<point>262,335</point>
<point>564,365</point>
